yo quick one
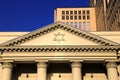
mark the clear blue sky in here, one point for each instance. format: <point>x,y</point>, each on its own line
<point>28,15</point>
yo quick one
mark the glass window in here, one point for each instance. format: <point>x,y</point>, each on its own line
<point>75,24</point>
<point>83,11</point>
<point>79,17</point>
<point>88,25</point>
<point>71,12</point>
<point>63,17</point>
<point>80,25</point>
<point>88,12</point>
<point>75,12</point>
<point>88,17</point>
<point>83,17</point>
<point>63,12</point>
<point>67,12</point>
<point>67,23</point>
<point>71,23</point>
<point>71,17</point>
<point>84,26</point>
<point>75,17</point>
<point>79,12</point>
<point>67,17</point>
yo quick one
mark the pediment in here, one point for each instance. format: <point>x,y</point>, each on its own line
<point>58,34</point>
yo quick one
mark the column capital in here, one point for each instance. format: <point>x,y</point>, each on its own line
<point>111,65</point>
<point>41,65</point>
<point>76,64</point>
<point>7,65</point>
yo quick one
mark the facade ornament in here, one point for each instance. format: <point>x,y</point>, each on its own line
<point>59,37</point>
<point>76,64</point>
<point>7,65</point>
<point>41,65</point>
<point>111,65</point>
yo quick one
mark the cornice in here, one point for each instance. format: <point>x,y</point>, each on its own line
<point>56,26</point>
<point>60,49</point>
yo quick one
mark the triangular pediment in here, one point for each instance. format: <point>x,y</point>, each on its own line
<point>58,34</point>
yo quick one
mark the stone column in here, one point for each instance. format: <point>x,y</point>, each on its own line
<point>0,70</point>
<point>41,71</point>
<point>118,68</point>
<point>6,71</point>
<point>76,71</point>
<point>112,71</point>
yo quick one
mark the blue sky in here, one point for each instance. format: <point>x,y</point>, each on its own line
<point>28,15</point>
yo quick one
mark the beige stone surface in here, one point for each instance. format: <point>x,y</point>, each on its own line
<point>92,20</point>
<point>5,36</point>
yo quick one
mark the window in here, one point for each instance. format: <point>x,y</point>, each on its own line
<point>79,12</point>
<point>67,17</point>
<point>71,17</point>
<point>80,25</point>
<point>88,25</point>
<point>75,24</point>
<point>83,12</point>
<point>63,17</point>
<point>84,26</point>
<point>83,17</point>
<point>88,17</point>
<point>79,17</point>
<point>75,12</point>
<point>71,12</point>
<point>71,23</point>
<point>75,17</point>
<point>63,12</point>
<point>67,23</point>
<point>67,12</point>
<point>88,12</point>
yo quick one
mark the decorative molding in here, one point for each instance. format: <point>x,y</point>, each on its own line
<point>55,26</point>
<point>76,65</point>
<point>41,65</point>
<point>61,49</point>
<point>111,65</point>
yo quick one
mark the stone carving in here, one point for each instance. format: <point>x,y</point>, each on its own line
<point>7,65</point>
<point>76,64</point>
<point>111,65</point>
<point>59,37</point>
<point>41,65</point>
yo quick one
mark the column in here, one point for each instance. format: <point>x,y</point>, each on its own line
<point>41,71</point>
<point>76,71</point>
<point>6,71</point>
<point>112,71</point>
<point>118,69</point>
<point>0,70</point>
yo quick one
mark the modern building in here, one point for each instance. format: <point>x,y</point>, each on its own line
<point>81,18</point>
<point>107,14</point>
<point>59,52</point>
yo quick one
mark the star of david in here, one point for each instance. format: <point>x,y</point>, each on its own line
<point>59,37</point>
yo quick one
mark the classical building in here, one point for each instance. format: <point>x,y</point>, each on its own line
<point>59,52</point>
<point>107,14</point>
<point>81,18</point>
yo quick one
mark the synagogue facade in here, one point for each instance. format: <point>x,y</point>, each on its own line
<point>59,52</point>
